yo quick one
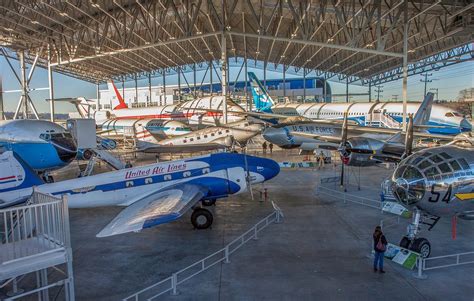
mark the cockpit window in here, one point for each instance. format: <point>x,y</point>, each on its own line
<point>424,164</point>
<point>455,165</point>
<point>463,163</point>
<point>45,136</point>
<point>427,154</point>
<point>444,167</point>
<point>433,171</point>
<point>436,159</point>
<point>415,160</point>
<point>445,155</point>
<point>453,114</point>
<point>399,172</point>
<point>412,173</point>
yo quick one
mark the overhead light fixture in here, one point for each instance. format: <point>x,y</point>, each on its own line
<point>411,50</point>
<point>228,27</point>
<point>211,53</point>
<point>95,4</point>
<point>257,52</point>
<point>366,69</point>
<point>369,45</point>
<point>64,14</point>
<point>308,60</point>
<point>293,35</point>
<point>330,40</point>
<point>198,32</point>
<point>282,56</point>
<point>34,22</point>
<point>258,30</point>
<point>336,65</point>
<point>233,49</point>
<point>172,38</point>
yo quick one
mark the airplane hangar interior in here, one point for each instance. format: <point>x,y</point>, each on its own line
<point>236,150</point>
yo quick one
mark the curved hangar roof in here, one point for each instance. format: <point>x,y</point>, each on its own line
<point>98,39</point>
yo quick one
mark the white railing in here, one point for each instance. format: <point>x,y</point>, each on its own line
<point>31,233</point>
<point>445,261</point>
<point>382,120</point>
<point>42,219</point>
<point>171,283</point>
<point>346,197</point>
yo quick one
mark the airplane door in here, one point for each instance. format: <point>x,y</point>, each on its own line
<point>236,177</point>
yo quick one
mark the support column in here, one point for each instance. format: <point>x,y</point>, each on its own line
<point>179,84</point>
<point>284,81</point>
<point>123,88</point>
<point>136,89</point>
<point>370,91</point>
<point>405,71</point>
<point>265,75</point>
<point>224,75</point>
<point>194,78</point>
<point>98,97</point>
<point>324,90</point>
<point>304,85</point>
<point>210,76</point>
<point>2,117</point>
<point>24,90</point>
<point>51,86</point>
<point>149,89</point>
<point>347,88</point>
<point>248,103</point>
<point>163,89</point>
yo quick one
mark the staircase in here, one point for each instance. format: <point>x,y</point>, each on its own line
<point>381,120</point>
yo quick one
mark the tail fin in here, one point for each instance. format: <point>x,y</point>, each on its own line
<point>422,116</point>
<point>118,102</point>
<point>15,174</point>
<point>263,101</point>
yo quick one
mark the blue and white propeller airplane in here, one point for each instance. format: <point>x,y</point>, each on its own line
<point>42,144</point>
<point>443,120</point>
<point>153,194</point>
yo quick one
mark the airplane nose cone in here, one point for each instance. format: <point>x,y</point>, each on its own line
<point>466,126</point>
<point>277,136</point>
<point>271,169</point>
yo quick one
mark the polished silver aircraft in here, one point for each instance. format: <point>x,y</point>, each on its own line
<point>215,137</point>
<point>435,182</point>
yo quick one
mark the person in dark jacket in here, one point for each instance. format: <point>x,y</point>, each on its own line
<point>380,245</point>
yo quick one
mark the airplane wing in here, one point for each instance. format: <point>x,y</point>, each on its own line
<point>158,207</point>
<point>147,147</point>
<point>332,139</point>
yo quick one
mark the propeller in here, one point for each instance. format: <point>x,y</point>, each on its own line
<point>408,138</point>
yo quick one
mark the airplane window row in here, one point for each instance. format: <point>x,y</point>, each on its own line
<point>168,177</point>
<point>205,136</point>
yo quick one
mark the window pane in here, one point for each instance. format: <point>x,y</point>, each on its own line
<point>463,163</point>
<point>444,167</point>
<point>436,159</point>
<point>455,165</point>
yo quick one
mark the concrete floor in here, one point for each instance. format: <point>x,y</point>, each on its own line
<point>320,252</point>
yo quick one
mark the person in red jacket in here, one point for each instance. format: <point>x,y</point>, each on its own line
<point>380,245</point>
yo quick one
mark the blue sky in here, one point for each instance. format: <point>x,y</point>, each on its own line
<point>449,81</point>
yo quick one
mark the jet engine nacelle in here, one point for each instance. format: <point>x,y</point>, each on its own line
<point>360,151</point>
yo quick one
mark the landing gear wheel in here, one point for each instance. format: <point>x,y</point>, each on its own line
<point>422,246</point>
<point>405,242</point>
<point>209,202</point>
<point>201,218</point>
